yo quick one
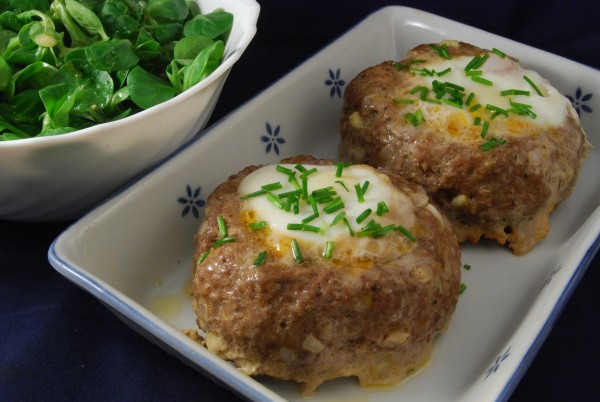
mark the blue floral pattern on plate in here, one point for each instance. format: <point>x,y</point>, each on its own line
<point>494,367</point>
<point>191,201</point>
<point>272,139</point>
<point>335,82</point>
<point>579,101</point>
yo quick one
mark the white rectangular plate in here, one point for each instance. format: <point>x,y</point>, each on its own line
<point>134,252</point>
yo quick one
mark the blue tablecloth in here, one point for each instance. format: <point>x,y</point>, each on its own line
<point>59,343</point>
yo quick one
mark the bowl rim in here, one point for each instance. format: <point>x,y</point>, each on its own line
<point>250,14</point>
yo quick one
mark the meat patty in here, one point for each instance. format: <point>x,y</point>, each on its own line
<point>370,309</point>
<point>494,144</point>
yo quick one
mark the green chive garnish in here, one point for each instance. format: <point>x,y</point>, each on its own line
<point>334,206</point>
<point>481,80</point>
<point>202,257</point>
<point>382,208</point>
<point>284,170</point>
<point>477,121</point>
<point>275,200</point>
<point>341,183</point>
<point>359,194</point>
<point>261,258</point>
<point>399,66</point>
<point>222,226</point>
<point>222,241</point>
<point>475,107</point>
<point>467,267</point>
<point>509,92</point>
<point>406,233</point>
<point>328,252</point>
<point>347,226</point>
<point>258,225</point>
<point>496,109</point>
<point>363,215</point>
<point>443,72</point>
<point>492,143</point>
<point>470,98</point>
<point>296,253</point>
<point>462,289</point>
<point>535,88</point>
<point>498,53</point>
<point>441,51</point>
<point>338,218</point>
<point>339,169</point>
<point>485,128</point>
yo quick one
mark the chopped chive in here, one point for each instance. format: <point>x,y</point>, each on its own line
<point>475,107</point>
<point>313,204</point>
<point>481,80</point>
<point>452,103</point>
<point>299,167</point>
<point>359,194</point>
<point>485,128</point>
<point>334,206</point>
<point>292,179</point>
<point>467,267</point>
<point>406,233</point>
<point>418,61</point>
<point>260,225</point>
<point>535,87</point>
<point>253,194</point>
<point>222,241</point>
<point>363,215</point>
<point>296,253</point>
<point>202,257</point>
<point>477,121</point>
<point>365,186</point>
<point>339,169</point>
<point>308,172</point>
<point>429,100</point>
<point>341,183</point>
<point>275,200</point>
<point>311,228</point>
<point>418,88</point>
<point>284,170</point>
<point>508,92</point>
<point>304,187</point>
<point>462,288</point>
<point>403,102</point>
<point>470,98</point>
<point>328,252</point>
<point>294,226</point>
<point>382,208</point>
<point>471,63</point>
<point>422,71</point>
<point>399,66</point>
<point>499,53</point>
<point>496,109</point>
<point>441,51</point>
<point>338,218</point>
<point>347,226</point>
<point>384,230</point>
<point>443,72</point>
<point>492,143</point>
<point>222,226</point>
<point>271,186</point>
<point>310,218</point>
<point>471,73</point>
<point>260,258</point>
<point>481,61</point>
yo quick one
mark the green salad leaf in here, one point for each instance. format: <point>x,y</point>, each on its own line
<point>70,64</point>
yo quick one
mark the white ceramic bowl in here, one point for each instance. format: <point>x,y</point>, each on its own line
<point>54,178</point>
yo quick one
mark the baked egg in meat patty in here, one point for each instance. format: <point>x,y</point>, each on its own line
<point>493,143</point>
<point>309,270</point>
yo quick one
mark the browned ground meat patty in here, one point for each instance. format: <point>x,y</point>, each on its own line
<point>324,318</point>
<point>503,186</point>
